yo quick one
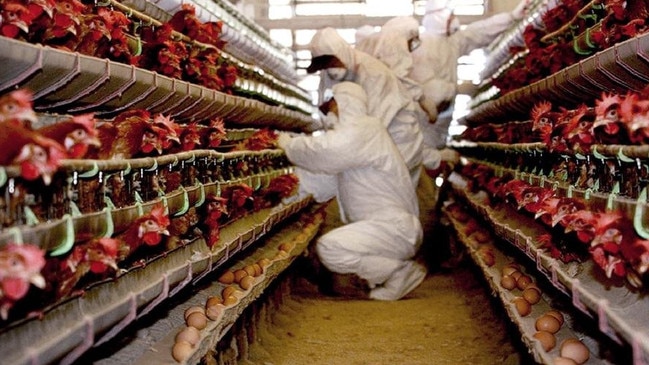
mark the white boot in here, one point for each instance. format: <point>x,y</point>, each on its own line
<point>402,282</point>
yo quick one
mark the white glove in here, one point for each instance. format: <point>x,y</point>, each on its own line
<point>521,10</point>
<point>450,155</point>
<point>283,139</point>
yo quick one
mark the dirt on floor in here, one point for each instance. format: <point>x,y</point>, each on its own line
<point>451,318</point>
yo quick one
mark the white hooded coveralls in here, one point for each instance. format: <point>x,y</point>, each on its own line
<point>390,46</point>
<point>388,99</point>
<point>436,62</point>
<point>375,195</point>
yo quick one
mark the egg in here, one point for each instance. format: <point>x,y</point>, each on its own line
<point>507,282</point>
<point>250,270</point>
<point>211,301</point>
<point>239,274</point>
<point>189,334</point>
<point>523,307</point>
<point>230,300</point>
<point>523,281</point>
<point>547,323</point>
<point>563,361</point>
<point>264,262</point>
<point>509,269</point>
<point>197,320</point>
<point>193,309</point>
<point>286,246</point>
<point>574,349</point>
<point>556,314</point>
<point>482,236</point>
<point>227,291</point>
<point>516,275</point>
<point>547,340</point>
<point>246,283</point>
<point>181,350</point>
<point>215,311</point>
<point>227,277</point>
<point>258,269</point>
<point>532,294</point>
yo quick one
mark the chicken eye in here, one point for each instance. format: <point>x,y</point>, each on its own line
<point>79,133</point>
<point>612,114</point>
<point>10,107</point>
<point>543,120</point>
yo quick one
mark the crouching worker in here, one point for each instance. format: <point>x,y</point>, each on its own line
<point>381,233</point>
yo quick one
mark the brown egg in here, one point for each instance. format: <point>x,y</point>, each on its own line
<point>197,319</point>
<point>193,309</point>
<point>563,361</point>
<point>258,269</point>
<point>230,300</point>
<point>227,277</point>
<point>215,311</point>
<point>211,301</point>
<point>189,334</point>
<point>250,270</point>
<point>239,274</point>
<point>264,262</point>
<point>246,283</point>
<point>516,275</point>
<point>532,294</point>
<point>507,282</point>
<point>509,269</point>
<point>523,307</point>
<point>487,256</point>
<point>181,350</point>
<point>574,349</point>
<point>227,291</point>
<point>547,340</point>
<point>482,236</point>
<point>286,246</point>
<point>523,281</point>
<point>556,314</point>
<point>547,323</point>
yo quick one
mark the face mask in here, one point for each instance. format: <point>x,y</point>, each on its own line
<point>413,44</point>
<point>337,73</point>
<point>330,120</point>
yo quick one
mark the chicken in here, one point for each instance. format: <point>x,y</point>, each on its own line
<point>161,53</point>
<point>543,121</point>
<point>612,232</point>
<point>94,38</point>
<point>260,140</point>
<point>185,21</point>
<point>580,136</point>
<point>213,134</point>
<point>62,27</point>
<point>130,135</point>
<point>240,199</point>
<point>583,224</point>
<point>607,127</point>
<point>554,211</point>
<point>147,230</point>
<point>634,113</point>
<point>189,138</point>
<point>513,190</point>
<point>119,26</point>
<point>14,19</point>
<point>532,198</point>
<point>20,267</point>
<point>75,134</point>
<point>213,212</point>
<point>36,155</point>
<point>97,256</point>
<point>16,106</point>
<point>279,188</point>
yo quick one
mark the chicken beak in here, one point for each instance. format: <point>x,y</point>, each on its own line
<point>38,281</point>
<point>165,232</point>
<point>94,141</point>
<point>47,178</point>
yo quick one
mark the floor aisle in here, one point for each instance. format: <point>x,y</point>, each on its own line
<point>450,319</point>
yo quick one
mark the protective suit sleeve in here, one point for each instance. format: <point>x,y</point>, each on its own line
<point>480,33</point>
<point>329,153</point>
<point>322,187</point>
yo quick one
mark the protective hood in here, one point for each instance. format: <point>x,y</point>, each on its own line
<point>328,42</point>
<point>351,100</point>
<point>405,27</point>
<point>364,32</point>
<point>440,22</point>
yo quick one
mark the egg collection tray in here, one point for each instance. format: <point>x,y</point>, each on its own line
<point>610,304</point>
<point>526,323</point>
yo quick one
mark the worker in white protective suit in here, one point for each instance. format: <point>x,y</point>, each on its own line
<point>377,201</point>
<point>388,99</point>
<point>393,45</point>
<point>442,44</point>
